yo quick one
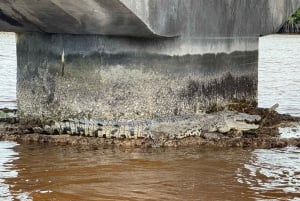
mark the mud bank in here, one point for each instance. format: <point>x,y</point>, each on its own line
<point>238,125</point>
<point>95,143</point>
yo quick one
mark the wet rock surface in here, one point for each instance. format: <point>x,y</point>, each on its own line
<point>237,126</point>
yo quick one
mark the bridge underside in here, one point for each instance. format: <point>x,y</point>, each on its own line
<point>126,60</point>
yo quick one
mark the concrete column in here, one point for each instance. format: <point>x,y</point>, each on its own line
<point>63,76</point>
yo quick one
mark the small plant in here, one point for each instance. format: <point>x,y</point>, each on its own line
<point>3,115</point>
<point>292,24</point>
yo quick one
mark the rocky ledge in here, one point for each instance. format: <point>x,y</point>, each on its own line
<point>239,125</point>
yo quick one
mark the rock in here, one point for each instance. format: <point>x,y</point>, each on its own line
<point>37,129</point>
<point>28,131</point>
<point>48,130</point>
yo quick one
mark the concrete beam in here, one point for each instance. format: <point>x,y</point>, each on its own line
<point>207,18</point>
<point>72,17</point>
<point>147,18</point>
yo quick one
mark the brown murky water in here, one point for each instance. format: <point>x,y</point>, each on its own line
<point>41,172</point>
<point>66,173</point>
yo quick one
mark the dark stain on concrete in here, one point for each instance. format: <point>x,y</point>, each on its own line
<point>166,64</point>
<point>9,19</point>
<point>228,87</point>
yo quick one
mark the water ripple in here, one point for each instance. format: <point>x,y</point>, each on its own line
<point>279,71</point>
<point>8,72</point>
<point>273,174</point>
<point>8,171</point>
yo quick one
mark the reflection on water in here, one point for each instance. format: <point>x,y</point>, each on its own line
<point>273,173</point>
<point>8,171</point>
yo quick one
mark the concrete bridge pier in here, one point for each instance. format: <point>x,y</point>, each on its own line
<point>123,78</point>
<point>133,60</point>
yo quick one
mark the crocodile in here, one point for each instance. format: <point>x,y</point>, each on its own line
<point>176,127</point>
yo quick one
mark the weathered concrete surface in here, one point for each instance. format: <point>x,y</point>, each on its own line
<point>126,79</point>
<point>71,16</point>
<point>205,18</point>
<point>183,57</point>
